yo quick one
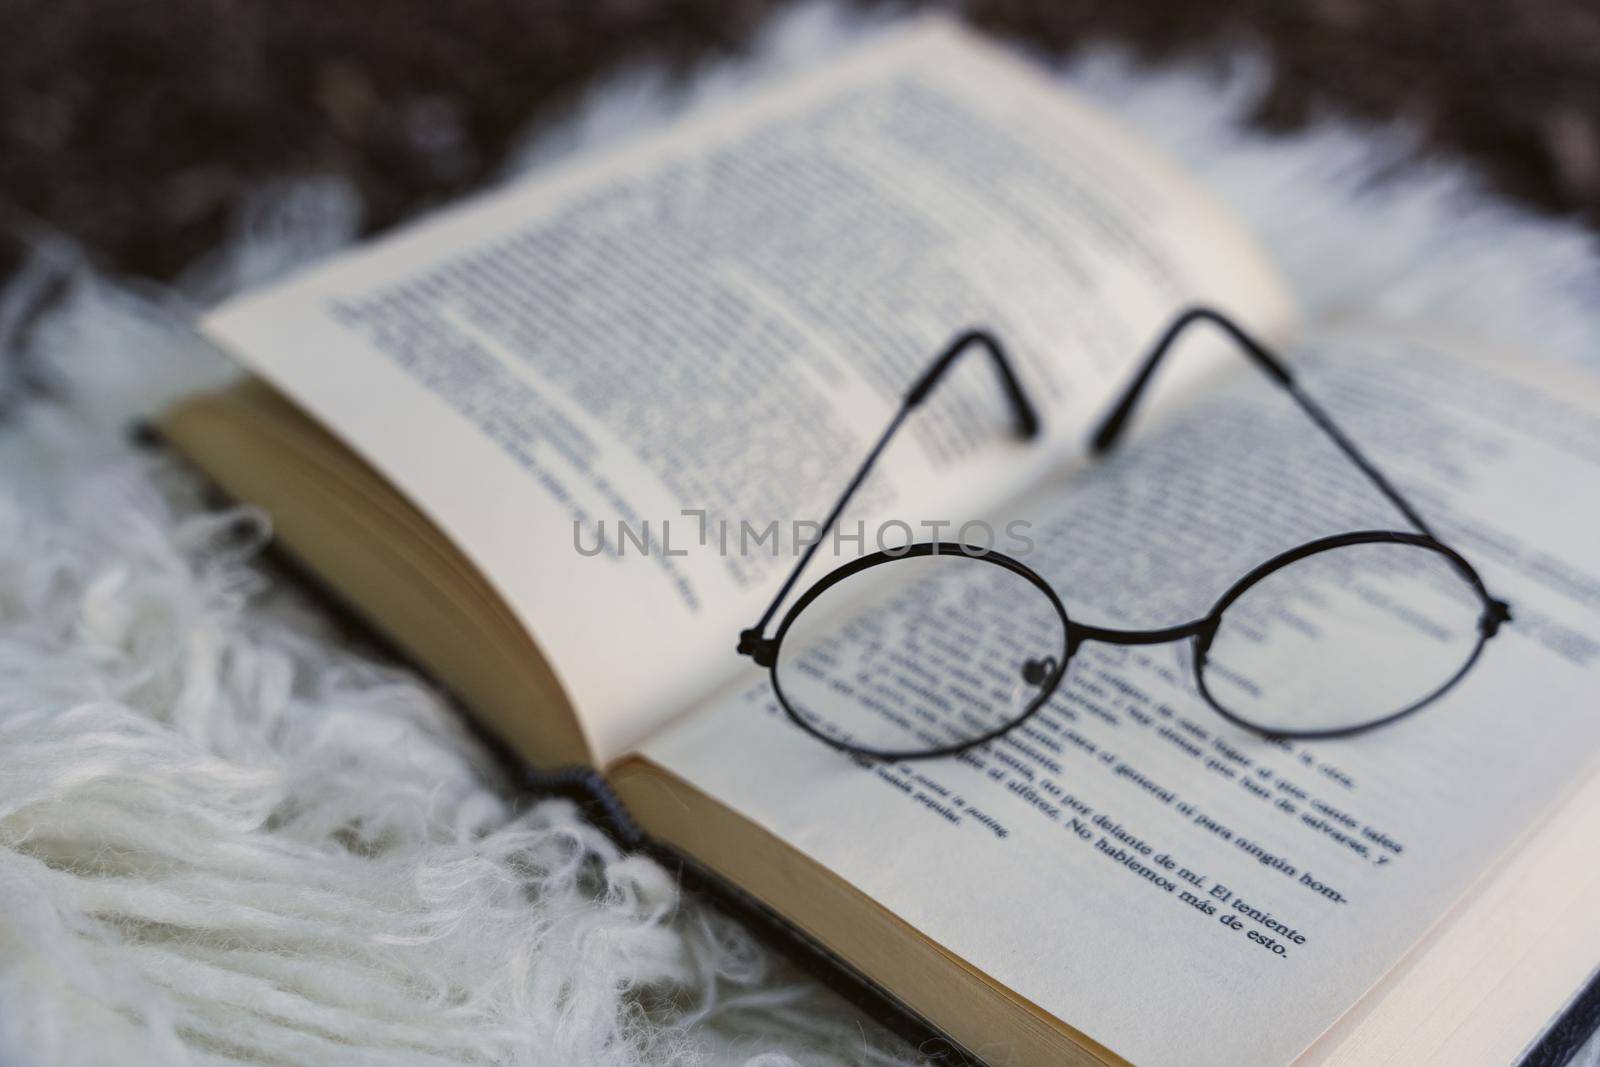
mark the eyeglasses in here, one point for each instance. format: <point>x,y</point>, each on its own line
<point>934,648</point>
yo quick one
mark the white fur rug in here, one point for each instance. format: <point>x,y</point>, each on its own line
<point>226,835</point>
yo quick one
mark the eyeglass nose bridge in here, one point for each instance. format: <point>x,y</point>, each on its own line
<point>1037,672</point>
<point>1203,630</point>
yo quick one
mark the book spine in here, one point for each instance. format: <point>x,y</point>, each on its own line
<point>1569,1031</point>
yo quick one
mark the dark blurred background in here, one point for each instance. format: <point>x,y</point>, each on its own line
<point>139,127</point>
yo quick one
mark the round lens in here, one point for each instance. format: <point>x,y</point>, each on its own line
<point>1343,638</point>
<point>921,653</point>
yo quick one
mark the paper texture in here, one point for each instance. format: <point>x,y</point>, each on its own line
<point>1179,889</point>
<point>707,329</point>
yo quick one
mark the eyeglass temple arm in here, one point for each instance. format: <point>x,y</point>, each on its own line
<point>1024,418</point>
<point>1112,426</point>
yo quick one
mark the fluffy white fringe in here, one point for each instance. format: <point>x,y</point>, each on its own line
<point>226,836</point>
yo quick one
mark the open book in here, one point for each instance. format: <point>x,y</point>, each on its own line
<point>557,443</point>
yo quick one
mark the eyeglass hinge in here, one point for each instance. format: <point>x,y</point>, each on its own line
<point>758,648</point>
<point>1497,613</point>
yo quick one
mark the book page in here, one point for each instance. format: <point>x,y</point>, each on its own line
<point>618,387</point>
<point>1181,890</point>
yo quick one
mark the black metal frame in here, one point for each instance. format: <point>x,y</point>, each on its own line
<point>766,651</point>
